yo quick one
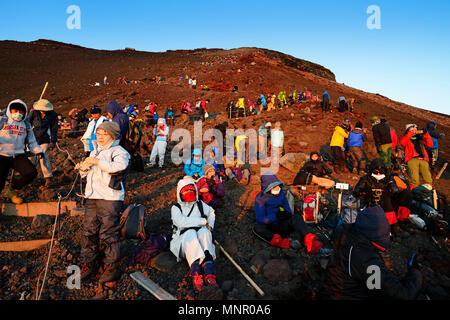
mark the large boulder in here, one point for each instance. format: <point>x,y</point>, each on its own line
<point>293,161</point>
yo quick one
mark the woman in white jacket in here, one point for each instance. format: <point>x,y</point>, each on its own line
<point>192,238</point>
<point>105,194</point>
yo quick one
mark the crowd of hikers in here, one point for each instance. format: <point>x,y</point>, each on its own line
<point>389,187</point>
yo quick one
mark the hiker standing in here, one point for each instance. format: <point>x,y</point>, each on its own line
<point>383,140</point>
<point>193,222</point>
<point>275,219</point>
<point>161,131</point>
<point>263,139</point>
<point>263,103</point>
<point>356,140</point>
<point>342,103</point>
<point>415,142</point>
<point>170,115</point>
<point>277,140</point>
<point>44,121</point>
<point>358,248</point>
<point>337,146</point>
<point>16,134</point>
<point>194,83</point>
<point>325,102</point>
<point>89,138</point>
<point>104,193</point>
<point>433,153</point>
<point>203,111</point>
<point>116,114</point>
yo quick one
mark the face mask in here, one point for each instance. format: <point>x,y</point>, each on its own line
<point>275,192</point>
<point>17,116</point>
<point>188,196</point>
<point>378,177</point>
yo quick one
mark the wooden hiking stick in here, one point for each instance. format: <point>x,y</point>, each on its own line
<point>43,91</point>
<point>254,285</point>
<point>435,197</point>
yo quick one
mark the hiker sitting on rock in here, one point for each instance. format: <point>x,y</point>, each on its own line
<point>194,166</point>
<point>350,271</point>
<point>16,134</point>
<point>378,188</point>
<point>210,189</point>
<point>104,195</point>
<point>315,171</point>
<point>236,169</point>
<point>275,220</point>
<point>215,161</point>
<point>193,221</point>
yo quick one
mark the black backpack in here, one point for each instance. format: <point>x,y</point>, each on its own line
<point>132,222</point>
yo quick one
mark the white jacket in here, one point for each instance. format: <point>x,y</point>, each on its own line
<point>112,159</point>
<point>181,221</point>
<point>87,135</point>
<point>15,136</point>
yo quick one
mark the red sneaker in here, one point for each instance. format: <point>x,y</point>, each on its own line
<point>210,280</point>
<point>197,281</point>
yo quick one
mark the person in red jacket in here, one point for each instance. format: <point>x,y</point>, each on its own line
<point>415,142</point>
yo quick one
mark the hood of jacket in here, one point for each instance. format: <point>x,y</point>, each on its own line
<point>373,225</point>
<point>8,111</point>
<point>181,185</point>
<point>431,125</point>
<point>114,108</point>
<point>313,153</point>
<point>268,182</point>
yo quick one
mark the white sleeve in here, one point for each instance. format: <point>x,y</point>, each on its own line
<point>181,221</point>
<point>118,163</point>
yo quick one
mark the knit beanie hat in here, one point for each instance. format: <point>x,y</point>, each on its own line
<point>374,225</point>
<point>207,167</point>
<point>43,105</point>
<point>374,119</point>
<point>111,128</point>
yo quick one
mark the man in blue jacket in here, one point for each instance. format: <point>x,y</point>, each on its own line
<point>275,220</point>
<point>116,114</point>
<point>433,151</point>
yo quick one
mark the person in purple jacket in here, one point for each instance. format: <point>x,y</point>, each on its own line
<point>356,140</point>
<point>116,114</point>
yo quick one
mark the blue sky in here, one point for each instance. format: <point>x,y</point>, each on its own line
<point>407,60</point>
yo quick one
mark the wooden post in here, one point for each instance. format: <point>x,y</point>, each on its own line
<point>152,287</point>
<point>435,197</point>
<point>43,91</point>
<point>254,285</point>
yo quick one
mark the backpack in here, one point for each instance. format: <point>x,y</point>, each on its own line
<point>308,209</point>
<point>133,137</point>
<point>349,209</point>
<point>153,246</point>
<point>132,222</point>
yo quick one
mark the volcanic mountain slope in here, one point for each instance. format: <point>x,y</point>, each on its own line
<point>72,70</point>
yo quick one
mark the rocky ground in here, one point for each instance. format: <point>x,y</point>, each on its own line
<point>281,274</point>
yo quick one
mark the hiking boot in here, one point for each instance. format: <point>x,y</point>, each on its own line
<point>11,194</point>
<point>111,274</point>
<point>197,282</point>
<point>210,280</point>
<point>88,270</point>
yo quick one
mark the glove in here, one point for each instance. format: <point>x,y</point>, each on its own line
<point>40,155</point>
<point>413,264</point>
<point>312,244</point>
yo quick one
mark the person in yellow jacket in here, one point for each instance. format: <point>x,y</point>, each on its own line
<point>242,111</point>
<point>337,146</point>
<point>271,104</point>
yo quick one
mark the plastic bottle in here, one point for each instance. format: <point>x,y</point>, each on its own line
<point>417,221</point>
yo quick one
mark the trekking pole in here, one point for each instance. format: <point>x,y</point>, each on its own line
<point>435,197</point>
<point>43,91</point>
<point>342,187</point>
<point>254,285</point>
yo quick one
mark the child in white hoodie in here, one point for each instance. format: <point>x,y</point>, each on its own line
<point>16,134</point>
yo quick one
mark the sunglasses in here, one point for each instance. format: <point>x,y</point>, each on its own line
<point>377,172</point>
